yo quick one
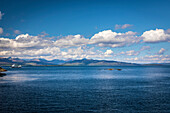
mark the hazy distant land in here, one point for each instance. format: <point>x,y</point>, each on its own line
<point>56,62</point>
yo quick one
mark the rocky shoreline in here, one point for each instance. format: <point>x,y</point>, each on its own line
<point>2,70</point>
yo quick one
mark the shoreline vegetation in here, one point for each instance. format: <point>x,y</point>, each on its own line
<point>2,70</point>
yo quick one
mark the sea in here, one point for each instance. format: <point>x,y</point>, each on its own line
<point>73,89</point>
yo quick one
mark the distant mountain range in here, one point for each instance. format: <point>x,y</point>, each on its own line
<point>69,62</point>
<point>91,62</point>
<point>33,62</point>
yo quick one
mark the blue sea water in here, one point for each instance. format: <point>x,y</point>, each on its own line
<point>86,90</point>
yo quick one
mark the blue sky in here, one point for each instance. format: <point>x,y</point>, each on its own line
<point>62,27</point>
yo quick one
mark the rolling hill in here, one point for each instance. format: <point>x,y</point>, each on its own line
<point>91,62</point>
<point>70,62</point>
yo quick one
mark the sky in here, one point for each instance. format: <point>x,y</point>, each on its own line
<point>136,31</point>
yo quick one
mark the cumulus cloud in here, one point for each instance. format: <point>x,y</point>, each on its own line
<point>71,40</point>
<point>24,41</point>
<point>37,44</point>
<point>1,14</point>
<point>117,26</point>
<point>46,51</point>
<point>1,30</point>
<point>55,53</point>
<point>77,46</point>
<point>161,51</point>
<point>108,38</point>
<point>83,52</point>
<point>24,53</point>
<point>108,52</point>
<point>155,36</point>
<point>27,46</point>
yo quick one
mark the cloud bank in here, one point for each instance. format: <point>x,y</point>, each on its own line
<point>77,46</point>
<point>149,59</point>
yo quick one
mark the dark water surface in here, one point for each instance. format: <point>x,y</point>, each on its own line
<point>85,89</point>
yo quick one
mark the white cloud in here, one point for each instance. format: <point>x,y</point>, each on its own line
<point>24,41</point>
<point>1,14</point>
<point>161,51</point>
<point>74,46</point>
<point>108,52</point>
<point>117,26</point>
<point>46,51</point>
<point>108,38</point>
<point>82,52</point>
<point>28,46</point>
<point>1,30</point>
<point>71,40</point>
<point>130,53</point>
<point>154,36</point>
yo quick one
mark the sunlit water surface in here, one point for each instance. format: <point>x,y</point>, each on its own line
<point>85,89</point>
